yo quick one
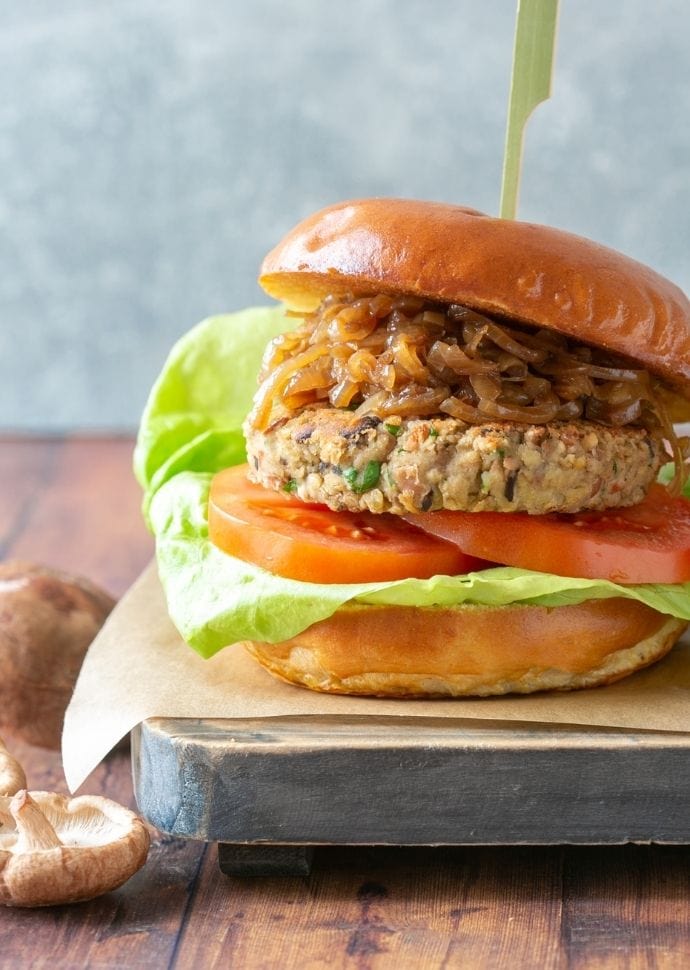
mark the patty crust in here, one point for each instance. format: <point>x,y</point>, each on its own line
<point>331,456</point>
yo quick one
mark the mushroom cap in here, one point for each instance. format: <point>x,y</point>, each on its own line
<point>48,618</point>
<point>102,845</point>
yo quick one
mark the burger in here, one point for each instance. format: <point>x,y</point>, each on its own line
<point>456,440</point>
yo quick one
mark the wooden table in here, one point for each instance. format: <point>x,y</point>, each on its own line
<point>72,503</point>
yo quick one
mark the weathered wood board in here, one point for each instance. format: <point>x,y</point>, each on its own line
<point>411,781</point>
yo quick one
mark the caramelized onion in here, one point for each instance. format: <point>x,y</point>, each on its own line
<point>460,409</point>
<point>407,359</point>
<point>615,415</point>
<point>342,394</point>
<point>569,411</point>
<point>276,382</point>
<point>413,401</point>
<point>502,338</point>
<point>444,355</point>
<point>485,387</point>
<point>614,373</point>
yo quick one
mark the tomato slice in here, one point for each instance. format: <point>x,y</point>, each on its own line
<point>646,543</point>
<point>309,542</point>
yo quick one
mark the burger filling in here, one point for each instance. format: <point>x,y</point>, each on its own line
<point>466,395</point>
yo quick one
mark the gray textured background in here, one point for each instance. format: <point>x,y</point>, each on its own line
<point>151,151</point>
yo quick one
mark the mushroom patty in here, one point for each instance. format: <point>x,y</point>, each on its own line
<point>330,456</point>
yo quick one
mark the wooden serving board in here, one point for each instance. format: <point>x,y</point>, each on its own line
<point>296,782</point>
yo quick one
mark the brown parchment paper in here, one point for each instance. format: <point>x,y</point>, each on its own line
<point>139,667</point>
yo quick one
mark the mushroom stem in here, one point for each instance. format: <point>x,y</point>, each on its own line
<point>34,830</point>
<point>12,777</point>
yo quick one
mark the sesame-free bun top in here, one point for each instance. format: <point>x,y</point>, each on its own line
<point>516,270</point>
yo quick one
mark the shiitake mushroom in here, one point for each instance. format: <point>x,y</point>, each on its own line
<point>47,621</point>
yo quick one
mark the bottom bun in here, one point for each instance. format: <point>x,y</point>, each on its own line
<point>405,651</point>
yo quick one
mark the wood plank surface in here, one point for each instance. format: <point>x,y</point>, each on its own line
<point>383,781</point>
<point>72,503</point>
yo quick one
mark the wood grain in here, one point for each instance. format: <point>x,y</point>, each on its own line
<point>628,906</point>
<point>72,503</point>
<point>26,473</point>
<point>381,781</point>
<point>466,908</point>
<point>78,508</point>
<point>380,907</point>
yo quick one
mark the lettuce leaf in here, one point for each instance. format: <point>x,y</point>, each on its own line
<point>191,428</point>
<point>193,417</point>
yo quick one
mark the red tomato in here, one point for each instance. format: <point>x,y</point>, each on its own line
<point>298,540</point>
<point>646,543</point>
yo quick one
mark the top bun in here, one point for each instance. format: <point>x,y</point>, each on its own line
<point>527,273</point>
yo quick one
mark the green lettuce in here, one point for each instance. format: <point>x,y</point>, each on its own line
<point>191,428</point>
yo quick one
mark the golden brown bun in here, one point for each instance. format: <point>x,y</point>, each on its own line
<point>529,273</point>
<point>404,651</point>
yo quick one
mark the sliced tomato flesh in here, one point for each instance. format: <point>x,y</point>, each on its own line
<point>645,543</point>
<point>310,542</point>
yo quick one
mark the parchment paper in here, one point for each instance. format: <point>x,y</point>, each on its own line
<point>139,667</point>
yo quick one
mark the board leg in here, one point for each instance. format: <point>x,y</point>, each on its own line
<point>264,860</point>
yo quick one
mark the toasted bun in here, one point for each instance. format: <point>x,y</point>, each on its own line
<point>399,651</point>
<point>528,273</point>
